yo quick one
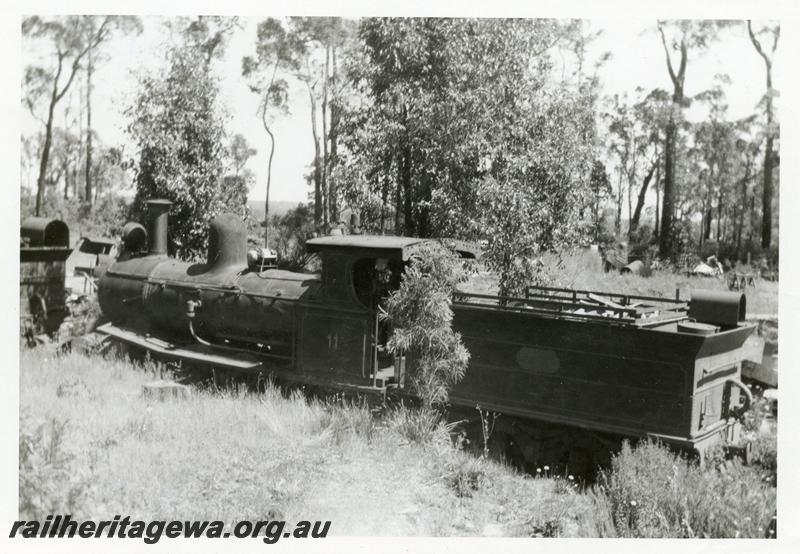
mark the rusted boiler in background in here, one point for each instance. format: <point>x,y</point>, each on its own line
<point>44,249</point>
<point>558,363</point>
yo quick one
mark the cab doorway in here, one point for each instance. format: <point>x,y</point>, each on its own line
<point>374,280</point>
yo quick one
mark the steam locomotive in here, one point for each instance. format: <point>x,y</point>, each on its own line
<point>572,371</point>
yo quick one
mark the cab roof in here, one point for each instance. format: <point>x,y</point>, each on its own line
<point>384,246</point>
<point>373,245</point>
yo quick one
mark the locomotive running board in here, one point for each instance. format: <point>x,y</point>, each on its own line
<point>195,353</point>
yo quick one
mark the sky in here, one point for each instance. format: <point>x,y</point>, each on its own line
<point>637,60</point>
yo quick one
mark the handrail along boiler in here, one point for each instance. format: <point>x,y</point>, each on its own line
<point>611,365</point>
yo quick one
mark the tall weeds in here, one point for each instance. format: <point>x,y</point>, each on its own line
<point>49,481</point>
<point>656,493</point>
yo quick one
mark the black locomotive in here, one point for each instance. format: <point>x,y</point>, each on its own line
<point>607,365</point>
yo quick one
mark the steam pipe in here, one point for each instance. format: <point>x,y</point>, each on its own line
<point>748,396</point>
<point>191,306</point>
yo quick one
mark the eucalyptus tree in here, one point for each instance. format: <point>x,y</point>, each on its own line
<point>305,50</point>
<point>715,143</point>
<point>102,28</point>
<point>765,42</point>
<point>275,58</point>
<point>68,41</point>
<point>678,38</point>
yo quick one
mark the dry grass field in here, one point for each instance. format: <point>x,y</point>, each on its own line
<point>92,445</point>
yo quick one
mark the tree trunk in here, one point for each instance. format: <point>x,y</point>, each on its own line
<point>269,179</point>
<point>76,191</point>
<point>666,242</point>
<point>325,159</point>
<point>55,97</point>
<point>766,199</point>
<point>596,218</point>
<point>618,219</point>
<point>702,230</point>
<point>317,163</point>
<point>97,189</point>
<point>89,128</point>
<point>384,201</point>
<point>640,200</point>
<point>48,141</point>
<point>769,159</point>
<point>334,130</point>
<point>271,154</point>
<point>409,229</point>
<point>658,198</point>
<point>741,208</point>
<point>398,198</point>
<point>630,203</point>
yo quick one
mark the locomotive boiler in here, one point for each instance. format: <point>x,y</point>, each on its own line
<point>554,362</point>
<point>44,249</point>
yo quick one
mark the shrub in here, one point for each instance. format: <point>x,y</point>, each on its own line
<point>754,417</point>
<point>422,426</point>
<point>351,419</point>
<point>421,314</point>
<point>84,317</point>
<point>288,235</point>
<point>657,493</point>
<point>464,474</point>
<point>48,481</point>
<point>764,454</point>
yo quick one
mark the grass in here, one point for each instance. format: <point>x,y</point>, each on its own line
<point>93,446</point>
<point>656,493</point>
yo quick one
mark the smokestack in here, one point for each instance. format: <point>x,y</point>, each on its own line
<point>158,209</point>
<point>227,242</point>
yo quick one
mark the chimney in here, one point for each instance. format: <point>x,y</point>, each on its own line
<point>158,210</point>
<point>227,242</point>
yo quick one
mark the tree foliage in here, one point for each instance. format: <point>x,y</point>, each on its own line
<point>421,316</point>
<point>238,178</point>
<point>303,49</point>
<point>180,137</point>
<point>458,117</point>
<point>70,39</point>
<point>291,231</point>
